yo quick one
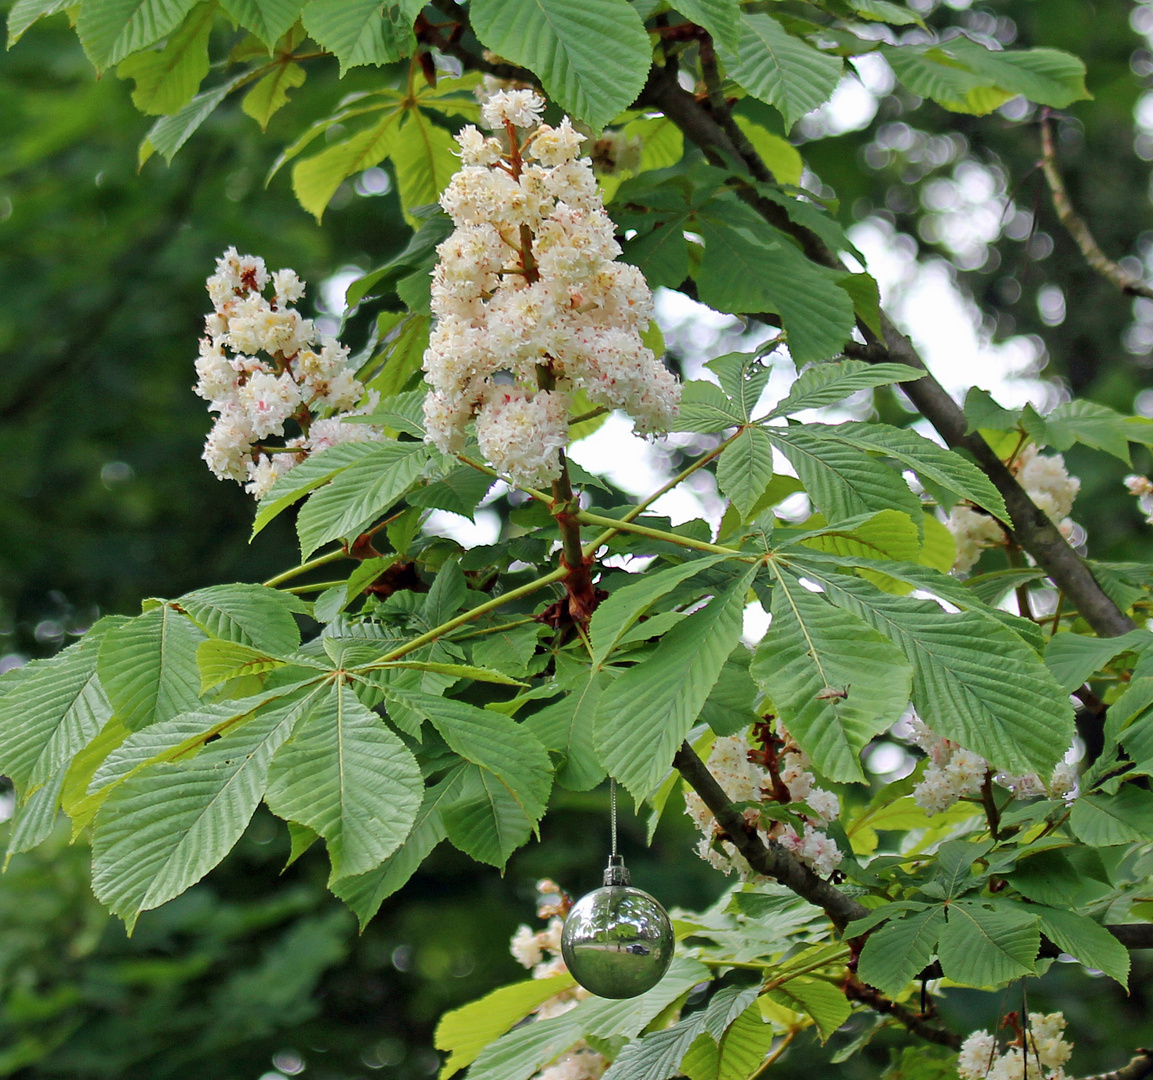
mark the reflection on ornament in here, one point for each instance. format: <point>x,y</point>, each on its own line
<point>617,941</point>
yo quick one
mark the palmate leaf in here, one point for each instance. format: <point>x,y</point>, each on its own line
<point>745,468</point>
<point>1085,940</point>
<point>566,725</point>
<point>974,681</point>
<point>148,668</point>
<point>165,827</point>
<point>985,946</point>
<point>592,57</point>
<point>779,69</point>
<point>346,775</point>
<point>828,1007</point>
<point>645,715</point>
<point>357,32</point>
<point>110,30</point>
<point>24,13</point>
<point>358,495</point>
<point>246,614</point>
<point>812,655</point>
<point>705,408</point>
<point>51,713</point>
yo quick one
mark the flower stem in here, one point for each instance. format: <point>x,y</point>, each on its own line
<point>625,525</point>
<point>303,568</point>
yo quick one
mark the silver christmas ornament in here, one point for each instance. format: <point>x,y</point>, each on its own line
<point>617,941</point>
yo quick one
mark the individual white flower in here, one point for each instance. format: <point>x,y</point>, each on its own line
<point>476,149</point>
<point>554,146</point>
<point>521,108</point>
<point>525,948</point>
<point>287,286</point>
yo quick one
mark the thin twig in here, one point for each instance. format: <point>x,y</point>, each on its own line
<point>1076,226</point>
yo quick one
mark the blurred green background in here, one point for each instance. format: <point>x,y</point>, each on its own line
<point>258,973</point>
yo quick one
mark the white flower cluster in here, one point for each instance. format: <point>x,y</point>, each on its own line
<point>527,294</point>
<point>1043,1055</point>
<point>954,773</point>
<point>541,952</point>
<point>1046,481</point>
<point>744,781</point>
<point>304,378</point>
<point>1141,488</point>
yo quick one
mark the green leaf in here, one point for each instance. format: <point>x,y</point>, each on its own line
<point>356,31</point>
<point>271,94</point>
<point>987,947</point>
<point>779,69</point>
<point>592,57</point>
<point>567,726</point>
<point>1124,818</point>
<point>401,357</point>
<point>1085,940</point>
<point>419,256</point>
<point>887,534</point>
<point>643,718</point>
<point>746,1043</point>
<point>812,655</point>
<point>1074,658</point>
<point>841,480</point>
<point>315,470</point>
<point>222,661</point>
<point>705,408</point>
<point>628,602</point>
<point>170,133</point>
<point>24,13</point>
<point>974,681</point>
<point>729,708</point>
<point>781,157</point>
<point>364,893</point>
<point>743,379</point>
<point>893,955</point>
<point>721,18</point>
<point>522,1052</point>
<point>506,788</point>
<point>269,20</point>
<point>826,384</point>
<point>315,179</point>
<point>167,80</point>
<point>425,157</point>
<point>33,822</point>
<point>345,775</point>
<point>165,827</point>
<point>745,468</point>
<point>884,11</point>
<point>110,30</point>
<point>465,1032</point>
<point>749,266</point>
<point>935,463</point>
<point>247,614</point>
<point>148,667</point>
<point>1096,426</point>
<point>54,710</point>
<point>828,1007</point>
<point>357,496</point>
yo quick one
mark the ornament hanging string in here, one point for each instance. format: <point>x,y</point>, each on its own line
<point>613,813</point>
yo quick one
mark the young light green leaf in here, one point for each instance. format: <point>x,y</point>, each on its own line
<point>826,384</point>
<point>170,133</point>
<point>358,495</point>
<point>828,1007</point>
<point>592,57</point>
<point>465,1032</point>
<point>345,775</point>
<point>270,95</point>
<point>781,157</point>
<point>833,680</point>
<point>893,955</point>
<point>110,30</point>
<point>746,1043</point>
<point>24,13</point>
<point>425,157</point>
<point>167,79</point>
<point>985,946</point>
<point>164,828</point>
<point>779,69</point>
<point>644,716</point>
<point>147,666</point>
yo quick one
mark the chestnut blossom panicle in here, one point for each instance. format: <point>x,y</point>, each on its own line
<point>1046,481</point>
<point>954,773</point>
<point>303,378</point>
<point>530,302</point>
<point>743,781</point>
<point>1040,1051</point>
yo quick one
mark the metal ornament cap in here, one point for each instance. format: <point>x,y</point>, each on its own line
<point>617,941</point>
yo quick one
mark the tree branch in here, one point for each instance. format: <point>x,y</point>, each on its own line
<point>915,1022</point>
<point>1076,226</point>
<point>1031,528</point>
<point>771,860</point>
<point>1138,1068</point>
